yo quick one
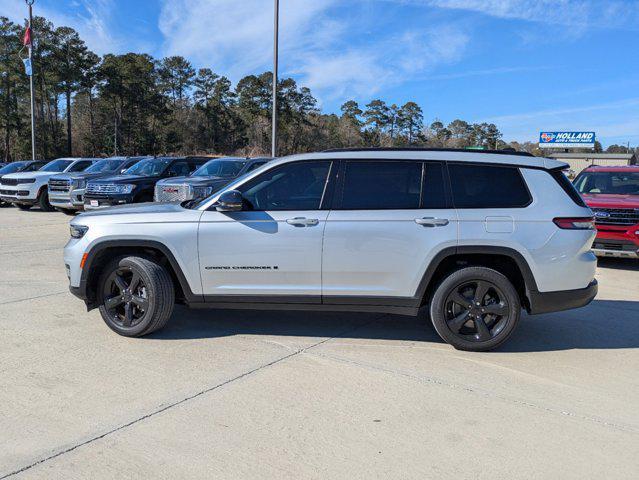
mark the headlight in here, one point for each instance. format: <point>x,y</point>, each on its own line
<point>79,184</point>
<point>127,188</point>
<point>202,191</point>
<point>26,180</point>
<point>78,231</point>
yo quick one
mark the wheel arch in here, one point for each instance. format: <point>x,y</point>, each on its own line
<point>101,253</point>
<point>505,260</point>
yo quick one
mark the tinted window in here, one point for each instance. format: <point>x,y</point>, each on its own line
<point>296,186</point>
<point>220,168</point>
<point>149,167</point>
<point>434,190</point>
<point>568,187</point>
<point>104,166</point>
<point>481,186</point>
<point>254,166</point>
<point>80,166</point>
<point>179,169</point>
<point>12,168</point>
<point>381,185</point>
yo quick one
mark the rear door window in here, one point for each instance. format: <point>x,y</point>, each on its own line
<point>488,186</point>
<point>381,185</point>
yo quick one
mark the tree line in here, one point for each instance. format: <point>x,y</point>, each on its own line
<point>133,104</point>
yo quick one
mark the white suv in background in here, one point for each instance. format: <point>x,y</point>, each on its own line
<point>27,189</point>
<point>474,237</point>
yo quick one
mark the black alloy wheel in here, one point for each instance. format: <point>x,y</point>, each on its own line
<point>136,296</point>
<point>475,309</point>
<point>125,297</point>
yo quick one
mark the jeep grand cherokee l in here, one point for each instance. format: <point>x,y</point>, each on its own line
<point>474,237</point>
<point>207,179</point>
<point>27,189</point>
<point>136,184</point>
<point>613,195</point>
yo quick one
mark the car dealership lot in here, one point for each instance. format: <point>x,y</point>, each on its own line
<point>249,394</point>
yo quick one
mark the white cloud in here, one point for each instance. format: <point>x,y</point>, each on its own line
<point>90,18</point>
<point>612,121</point>
<point>325,52</point>
<point>601,13</point>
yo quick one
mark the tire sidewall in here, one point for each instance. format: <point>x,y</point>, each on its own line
<point>438,307</point>
<point>152,295</point>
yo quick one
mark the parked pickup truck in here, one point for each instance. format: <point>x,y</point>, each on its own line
<point>210,177</point>
<point>613,195</point>
<point>66,191</point>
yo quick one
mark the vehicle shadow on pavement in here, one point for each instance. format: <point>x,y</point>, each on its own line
<point>619,264</point>
<point>604,324</point>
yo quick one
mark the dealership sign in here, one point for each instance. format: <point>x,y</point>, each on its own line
<point>567,140</point>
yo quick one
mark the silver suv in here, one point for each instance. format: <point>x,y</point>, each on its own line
<point>471,237</point>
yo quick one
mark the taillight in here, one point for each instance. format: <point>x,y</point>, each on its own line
<point>577,223</point>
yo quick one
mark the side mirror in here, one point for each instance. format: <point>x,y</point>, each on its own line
<point>230,201</point>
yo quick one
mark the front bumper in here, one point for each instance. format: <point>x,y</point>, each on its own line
<point>617,241</point>
<point>71,200</point>
<point>96,203</point>
<point>548,302</point>
<point>25,194</point>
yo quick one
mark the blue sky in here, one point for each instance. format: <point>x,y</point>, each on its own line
<point>525,65</point>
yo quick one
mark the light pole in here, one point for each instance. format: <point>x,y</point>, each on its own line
<point>33,141</point>
<point>276,21</point>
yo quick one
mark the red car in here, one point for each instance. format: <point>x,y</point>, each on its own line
<point>613,195</point>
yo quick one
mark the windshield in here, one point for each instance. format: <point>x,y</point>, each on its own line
<point>149,168</point>
<point>104,166</point>
<point>56,166</point>
<point>220,168</point>
<point>608,183</point>
<point>12,167</point>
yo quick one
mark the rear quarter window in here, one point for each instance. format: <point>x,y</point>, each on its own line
<point>488,186</point>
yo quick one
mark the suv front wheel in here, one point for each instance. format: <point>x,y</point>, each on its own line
<point>136,296</point>
<point>475,309</point>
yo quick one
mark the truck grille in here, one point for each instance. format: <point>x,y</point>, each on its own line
<point>616,216</point>
<point>59,185</point>
<point>101,188</point>
<point>172,193</point>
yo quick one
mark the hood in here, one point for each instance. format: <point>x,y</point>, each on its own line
<point>199,181</point>
<point>611,201</point>
<point>36,174</point>
<point>135,208</point>
<point>124,179</point>
<point>83,175</point>
<point>139,213</point>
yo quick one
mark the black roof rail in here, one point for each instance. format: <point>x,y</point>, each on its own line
<point>506,151</point>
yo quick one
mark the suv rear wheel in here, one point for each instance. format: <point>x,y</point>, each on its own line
<point>136,296</point>
<point>475,309</point>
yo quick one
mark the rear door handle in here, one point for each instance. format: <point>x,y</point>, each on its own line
<point>432,222</point>
<point>302,222</point>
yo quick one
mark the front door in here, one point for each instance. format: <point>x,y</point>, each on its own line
<point>390,218</point>
<point>272,250</point>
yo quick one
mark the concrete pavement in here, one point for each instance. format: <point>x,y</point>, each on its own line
<point>249,394</point>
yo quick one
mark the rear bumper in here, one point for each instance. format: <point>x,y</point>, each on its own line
<point>547,302</point>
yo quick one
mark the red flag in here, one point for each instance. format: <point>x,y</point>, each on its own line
<point>27,37</point>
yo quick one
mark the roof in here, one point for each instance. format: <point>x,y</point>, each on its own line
<point>594,156</point>
<point>478,156</point>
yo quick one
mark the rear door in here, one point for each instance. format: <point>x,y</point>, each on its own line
<point>390,218</point>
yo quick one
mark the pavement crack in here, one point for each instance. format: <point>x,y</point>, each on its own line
<point>181,401</point>
<point>477,391</point>
<point>34,298</point>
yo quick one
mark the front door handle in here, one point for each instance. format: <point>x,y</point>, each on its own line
<point>432,222</point>
<point>302,222</point>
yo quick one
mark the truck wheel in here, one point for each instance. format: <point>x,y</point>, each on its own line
<point>43,201</point>
<point>475,309</point>
<point>23,206</point>
<point>136,296</point>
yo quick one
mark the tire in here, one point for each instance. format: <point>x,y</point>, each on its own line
<point>66,211</point>
<point>489,319</point>
<point>23,206</point>
<point>149,304</point>
<point>43,201</point>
